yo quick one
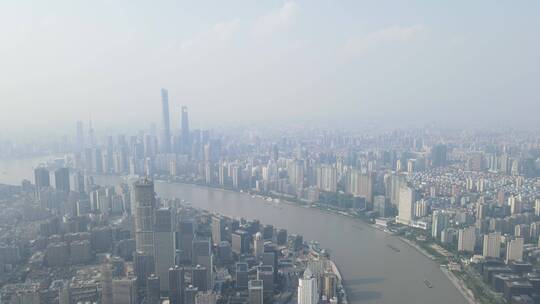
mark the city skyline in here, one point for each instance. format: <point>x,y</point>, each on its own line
<point>269,152</point>
<point>457,64</point>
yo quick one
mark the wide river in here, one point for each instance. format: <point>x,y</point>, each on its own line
<point>373,272</point>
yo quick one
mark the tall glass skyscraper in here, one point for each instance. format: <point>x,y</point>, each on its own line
<point>166,137</point>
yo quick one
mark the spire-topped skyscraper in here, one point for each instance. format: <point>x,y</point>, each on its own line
<point>185,131</point>
<point>166,137</point>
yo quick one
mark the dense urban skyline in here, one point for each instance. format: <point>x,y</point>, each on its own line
<point>269,152</point>
<point>456,63</point>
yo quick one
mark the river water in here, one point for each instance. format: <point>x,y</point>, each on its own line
<point>372,272</point>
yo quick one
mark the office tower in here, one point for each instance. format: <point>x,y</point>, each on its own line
<point>79,137</point>
<point>152,289</point>
<point>514,250</point>
<point>270,258</point>
<point>255,292</point>
<point>61,179</point>
<point>199,277</point>
<point>125,291</point>
<point>218,229</point>
<point>184,240</point>
<point>467,239</point>
<point>438,224</point>
<point>492,245</point>
<point>202,255</point>
<point>537,207</point>
<point>258,245</point>
<point>41,179</point>
<point>201,251</point>
<point>145,204</point>
<point>438,155</point>
<point>281,237</point>
<point>266,275</point>
<point>176,285</point>
<point>241,276</point>
<point>166,137</point>
<point>268,232</point>
<point>240,242</point>
<point>307,289</point>
<point>190,294</point>
<point>164,248</point>
<point>106,284</point>
<point>144,265</point>
<point>224,253</point>
<point>186,147</point>
<point>407,197</point>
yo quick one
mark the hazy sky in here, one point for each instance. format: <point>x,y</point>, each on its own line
<point>230,61</point>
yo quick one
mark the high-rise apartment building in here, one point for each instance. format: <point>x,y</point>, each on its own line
<point>467,239</point>
<point>514,250</point>
<point>492,245</point>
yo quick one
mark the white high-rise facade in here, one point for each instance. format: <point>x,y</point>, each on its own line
<point>307,289</point>
<point>407,198</point>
